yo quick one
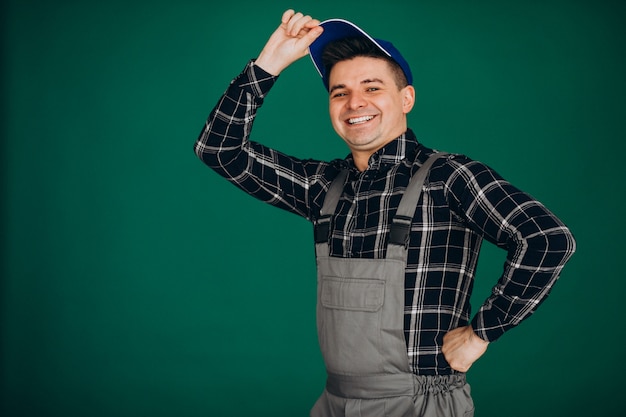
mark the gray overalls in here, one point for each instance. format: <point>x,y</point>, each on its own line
<point>360,325</point>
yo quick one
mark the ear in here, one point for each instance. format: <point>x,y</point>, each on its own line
<point>408,98</point>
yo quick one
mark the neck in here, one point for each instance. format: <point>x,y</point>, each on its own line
<point>361,160</point>
<point>362,157</point>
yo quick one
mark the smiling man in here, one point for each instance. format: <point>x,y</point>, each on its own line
<point>367,107</point>
<point>398,227</point>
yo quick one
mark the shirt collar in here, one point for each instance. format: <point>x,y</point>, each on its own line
<point>392,153</point>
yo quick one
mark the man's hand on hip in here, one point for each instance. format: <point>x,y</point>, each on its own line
<point>462,347</point>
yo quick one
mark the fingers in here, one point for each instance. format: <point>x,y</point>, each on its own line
<point>297,24</point>
<point>313,34</point>
<point>289,42</point>
<point>287,15</point>
<point>462,347</point>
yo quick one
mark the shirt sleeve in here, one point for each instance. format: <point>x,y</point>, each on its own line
<point>266,174</point>
<point>538,244</point>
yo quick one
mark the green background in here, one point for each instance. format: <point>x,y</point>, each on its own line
<point>136,282</point>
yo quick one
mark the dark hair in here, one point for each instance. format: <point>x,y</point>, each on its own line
<point>348,48</point>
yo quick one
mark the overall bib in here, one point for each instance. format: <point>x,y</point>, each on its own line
<point>360,325</point>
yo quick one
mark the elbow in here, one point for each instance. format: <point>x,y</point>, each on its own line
<point>200,144</point>
<point>197,149</point>
<point>563,242</point>
<point>553,248</point>
<point>571,241</point>
<point>202,149</point>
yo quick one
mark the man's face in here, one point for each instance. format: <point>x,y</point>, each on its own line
<point>366,107</point>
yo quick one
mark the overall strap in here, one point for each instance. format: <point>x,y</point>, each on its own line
<point>322,224</point>
<point>401,223</point>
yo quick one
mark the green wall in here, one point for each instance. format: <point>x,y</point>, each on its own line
<point>135,282</point>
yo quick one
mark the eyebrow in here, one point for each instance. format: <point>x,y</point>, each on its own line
<point>365,81</point>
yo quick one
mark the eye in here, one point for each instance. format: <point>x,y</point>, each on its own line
<point>369,89</point>
<point>338,95</point>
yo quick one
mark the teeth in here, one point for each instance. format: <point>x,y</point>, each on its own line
<point>361,119</point>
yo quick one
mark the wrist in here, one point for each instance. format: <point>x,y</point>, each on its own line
<point>477,340</point>
<point>268,65</point>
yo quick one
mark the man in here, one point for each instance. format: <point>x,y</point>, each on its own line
<point>398,227</point>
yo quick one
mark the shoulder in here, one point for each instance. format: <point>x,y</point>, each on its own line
<point>455,167</point>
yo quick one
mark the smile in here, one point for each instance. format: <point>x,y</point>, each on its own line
<point>358,120</point>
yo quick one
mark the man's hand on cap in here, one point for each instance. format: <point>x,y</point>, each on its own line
<point>289,42</point>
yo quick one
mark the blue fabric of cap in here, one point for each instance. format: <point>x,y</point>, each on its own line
<point>335,29</point>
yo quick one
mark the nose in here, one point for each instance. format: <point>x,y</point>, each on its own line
<point>356,101</point>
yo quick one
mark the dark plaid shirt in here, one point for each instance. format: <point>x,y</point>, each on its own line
<point>463,201</point>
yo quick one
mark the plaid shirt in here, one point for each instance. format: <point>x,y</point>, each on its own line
<point>463,201</point>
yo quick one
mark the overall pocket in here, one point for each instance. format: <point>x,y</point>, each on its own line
<point>349,324</point>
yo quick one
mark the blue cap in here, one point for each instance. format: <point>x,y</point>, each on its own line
<point>335,29</point>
